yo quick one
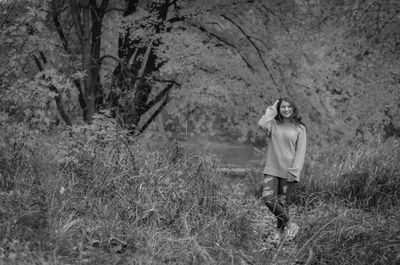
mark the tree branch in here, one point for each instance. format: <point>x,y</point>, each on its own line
<point>64,41</point>
<point>167,4</point>
<point>142,69</point>
<point>76,19</point>
<point>280,20</point>
<point>378,18</point>
<point>60,32</point>
<point>11,6</point>
<point>254,45</point>
<point>81,99</point>
<point>262,41</point>
<point>387,21</point>
<point>203,29</point>
<point>98,11</point>
<point>43,57</point>
<point>115,9</point>
<point>154,115</point>
<point>38,64</point>
<point>176,19</point>
<point>52,88</point>
<point>109,57</point>
<point>157,98</point>
<point>132,58</point>
<point>166,81</point>
<point>281,74</point>
<point>103,6</point>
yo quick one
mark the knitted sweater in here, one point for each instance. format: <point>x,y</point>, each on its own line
<point>286,146</point>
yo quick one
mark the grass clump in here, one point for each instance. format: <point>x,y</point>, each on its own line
<point>351,207</point>
<point>340,235</point>
<point>93,195</point>
<point>367,176</point>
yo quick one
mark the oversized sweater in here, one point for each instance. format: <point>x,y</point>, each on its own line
<point>286,146</point>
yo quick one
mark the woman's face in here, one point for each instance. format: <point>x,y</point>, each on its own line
<point>286,109</point>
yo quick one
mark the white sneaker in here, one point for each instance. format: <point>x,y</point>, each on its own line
<point>277,235</point>
<point>276,238</point>
<point>291,230</point>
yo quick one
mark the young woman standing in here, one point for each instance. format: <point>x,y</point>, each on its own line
<point>284,161</point>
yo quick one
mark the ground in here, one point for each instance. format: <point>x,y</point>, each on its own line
<point>263,223</point>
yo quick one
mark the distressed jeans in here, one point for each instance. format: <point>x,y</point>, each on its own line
<point>276,195</point>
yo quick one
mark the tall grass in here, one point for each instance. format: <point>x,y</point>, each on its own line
<point>76,198</point>
<point>352,206</point>
<point>333,234</point>
<point>93,195</point>
<point>366,176</point>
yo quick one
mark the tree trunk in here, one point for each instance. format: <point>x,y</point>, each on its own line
<point>87,18</point>
<point>87,62</point>
<point>130,78</point>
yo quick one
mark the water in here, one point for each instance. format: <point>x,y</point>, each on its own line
<point>237,157</point>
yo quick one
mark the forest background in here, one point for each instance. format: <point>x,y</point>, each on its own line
<point>96,97</point>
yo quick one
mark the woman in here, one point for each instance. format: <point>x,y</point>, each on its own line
<point>284,161</point>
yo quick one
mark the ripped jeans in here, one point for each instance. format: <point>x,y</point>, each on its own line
<point>276,196</point>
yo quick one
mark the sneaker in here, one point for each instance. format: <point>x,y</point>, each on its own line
<point>277,235</point>
<point>291,230</point>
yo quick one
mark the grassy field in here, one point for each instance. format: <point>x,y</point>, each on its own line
<point>77,198</point>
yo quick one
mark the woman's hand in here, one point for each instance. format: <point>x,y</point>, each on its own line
<point>291,178</point>
<point>275,105</point>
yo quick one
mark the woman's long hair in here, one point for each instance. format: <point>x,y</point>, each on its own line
<point>295,118</point>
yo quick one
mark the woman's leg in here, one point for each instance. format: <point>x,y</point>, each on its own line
<point>270,196</point>
<point>284,193</point>
<point>284,196</point>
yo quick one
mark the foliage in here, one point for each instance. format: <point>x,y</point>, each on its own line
<point>312,52</point>
<point>212,65</point>
<point>31,87</point>
<point>212,80</point>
